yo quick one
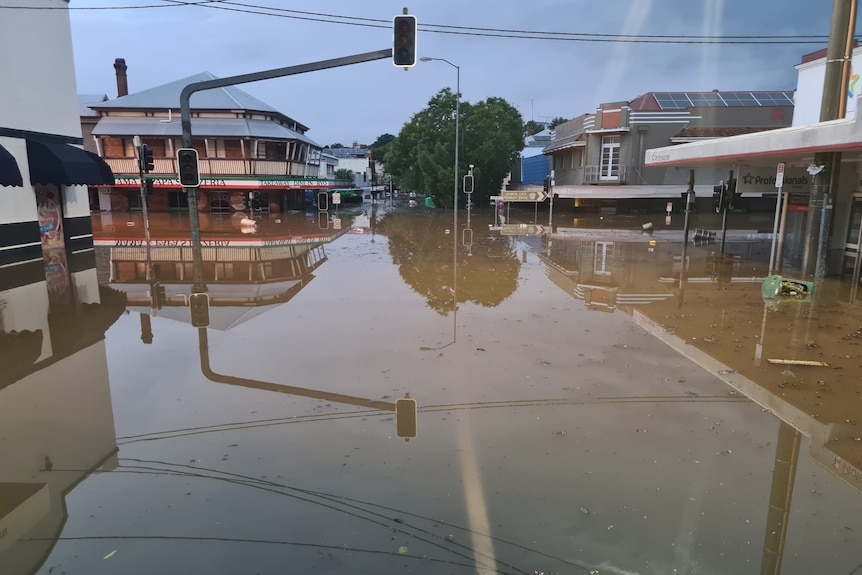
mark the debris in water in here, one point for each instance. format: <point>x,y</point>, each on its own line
<point>402,550</point>
<point>585,511</point>
<point>111,554</point>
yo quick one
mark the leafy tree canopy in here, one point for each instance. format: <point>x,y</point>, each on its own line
<point>381,145</point>
<point>422,156</point>
<point>344,175</point>
<point>557,121</point>
<point>532,127</point>
<point>335,146</point>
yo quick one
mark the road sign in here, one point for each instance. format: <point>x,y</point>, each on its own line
<point>779,175</point>
<point>522,229</point>
<point>336,198</point>
<point>516,196</point>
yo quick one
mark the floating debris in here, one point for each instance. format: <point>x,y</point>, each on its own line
<point>111,554</point>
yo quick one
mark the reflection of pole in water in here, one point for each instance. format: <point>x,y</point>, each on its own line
<point>783,475</point>
<point>689,195</point>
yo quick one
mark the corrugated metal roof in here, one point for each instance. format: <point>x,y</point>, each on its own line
<point>201,128</point>
<point>167,96</point>
<point>566,142</point>
<point>85,100</point>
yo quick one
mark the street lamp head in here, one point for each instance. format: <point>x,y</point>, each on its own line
<point>425,59</point>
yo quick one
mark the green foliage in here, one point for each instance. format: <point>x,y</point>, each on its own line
<point>380,146</point>
<point>344,175</point>
<point>556,122</point>
<point>334,146</point>
<point>532,127</point>
<point>422,156</point>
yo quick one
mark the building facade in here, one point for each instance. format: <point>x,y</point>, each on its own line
<point>598,158</point>
<point>252,157</point>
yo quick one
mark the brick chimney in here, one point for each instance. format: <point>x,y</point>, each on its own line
<point>122,80</point>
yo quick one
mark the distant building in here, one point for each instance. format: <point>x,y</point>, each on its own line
<point>532,165</point>
<point>360,161</point>
<point>598,158</point>
<point>252,157</point>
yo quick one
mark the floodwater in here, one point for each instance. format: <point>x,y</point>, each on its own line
<point>576,411</point>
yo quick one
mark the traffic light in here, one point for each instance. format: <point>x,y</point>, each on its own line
<point>187,166</point>
<point>719,197</point>
<point>732,196</point>
<point>404,41</point>
<point>145,159</point>
<point>149,186</point>
<point>405,417</point>
<point>547,184</point>
<point>468,184</point>
<point>199,307</point>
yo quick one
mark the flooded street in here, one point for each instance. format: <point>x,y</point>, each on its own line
<point>576,412</point>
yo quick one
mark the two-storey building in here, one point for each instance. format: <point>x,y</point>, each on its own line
<point>598,158</point>
<point>252,157</point>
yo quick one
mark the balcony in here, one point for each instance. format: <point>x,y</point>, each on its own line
<point>601,175</point>
<point>219,167</point>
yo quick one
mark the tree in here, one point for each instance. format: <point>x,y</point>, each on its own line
<point>532,127</point>
<point>344,175</point>
<point>335,146</point>
<point>380,146</point>
<point>422,156</point>
<point>556,122</point>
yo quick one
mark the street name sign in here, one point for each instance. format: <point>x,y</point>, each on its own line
<point>516,196</point>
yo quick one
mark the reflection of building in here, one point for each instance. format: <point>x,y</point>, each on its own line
<point>245,274</point>
<point>251,155</point>
<point>56,418</point>
<point>598,158</point>
<point>44,211</point>
<point>609,268</point>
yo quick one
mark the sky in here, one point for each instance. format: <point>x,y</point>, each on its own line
<point>543,78</point>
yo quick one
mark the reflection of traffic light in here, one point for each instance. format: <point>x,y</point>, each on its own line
<point>187,166</point>
<point>158,296</point>
<point>145,158</point>
<point>199,307</point>
<point>468,184</point>
<point>719,197</point>
<point>404,45</point>
<point>149,186</point>
<point>405,417</point>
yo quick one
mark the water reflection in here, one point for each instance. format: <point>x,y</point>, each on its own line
<point>56,418</point>
<point>553,438</point>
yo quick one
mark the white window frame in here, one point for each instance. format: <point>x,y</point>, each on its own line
<point>609,169</point>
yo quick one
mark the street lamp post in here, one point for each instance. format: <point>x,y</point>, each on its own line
<point>457,127</point>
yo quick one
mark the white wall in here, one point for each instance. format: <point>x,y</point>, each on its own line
<point>809,89</point>
<point>39,91</point>
<point>17,204</point>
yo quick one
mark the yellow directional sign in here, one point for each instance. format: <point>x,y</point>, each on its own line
<point>522,230</point>
<point>516,196</point>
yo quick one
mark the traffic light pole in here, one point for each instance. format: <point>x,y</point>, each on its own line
<point>186,119</point>
<point>727,201</point>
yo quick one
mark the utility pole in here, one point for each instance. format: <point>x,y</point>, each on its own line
<point>824,168</point>
<point>689,198</point>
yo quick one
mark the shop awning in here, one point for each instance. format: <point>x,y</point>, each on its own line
<point>65,165</point>
<point>10,175</point>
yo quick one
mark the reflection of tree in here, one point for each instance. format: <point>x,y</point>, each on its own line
<point>423,253</point>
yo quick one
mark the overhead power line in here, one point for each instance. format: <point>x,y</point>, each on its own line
<point>506,33</point>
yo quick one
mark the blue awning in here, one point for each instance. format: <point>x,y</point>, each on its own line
<point>65,165</point>
<point>10,175</point>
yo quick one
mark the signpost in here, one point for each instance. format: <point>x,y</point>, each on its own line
<point>520,196</point>
<point>779,183</point>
